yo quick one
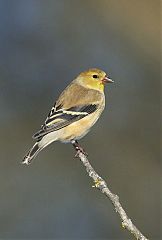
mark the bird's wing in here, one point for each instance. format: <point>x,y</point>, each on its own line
<point>59,118</point>
<point>74,103</point>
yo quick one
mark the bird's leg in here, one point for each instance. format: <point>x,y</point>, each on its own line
<point>78,148</point>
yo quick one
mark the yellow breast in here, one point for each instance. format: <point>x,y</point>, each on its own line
<point>80,128</point>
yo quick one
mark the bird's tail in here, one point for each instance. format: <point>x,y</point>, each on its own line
<point>32,154</point>
<point>38,146</point>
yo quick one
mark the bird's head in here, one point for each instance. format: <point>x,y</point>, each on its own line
<point>94,79</point>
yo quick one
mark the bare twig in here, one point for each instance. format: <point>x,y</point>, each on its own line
<point>102,186</point>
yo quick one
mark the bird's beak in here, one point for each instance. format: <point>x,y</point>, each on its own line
<point>107,80</point>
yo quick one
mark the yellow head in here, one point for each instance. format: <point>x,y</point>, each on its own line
<point>93,79</point>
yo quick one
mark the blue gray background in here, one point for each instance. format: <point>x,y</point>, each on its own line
<point>43,46</point>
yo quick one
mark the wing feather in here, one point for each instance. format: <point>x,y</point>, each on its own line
<point>70,108</point>
<point>60,118</point>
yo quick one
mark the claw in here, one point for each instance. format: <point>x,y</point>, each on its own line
<point>78,149</point>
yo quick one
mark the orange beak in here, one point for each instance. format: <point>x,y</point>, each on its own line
<point>107,80</point>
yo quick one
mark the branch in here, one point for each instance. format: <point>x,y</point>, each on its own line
<point>102,186</point>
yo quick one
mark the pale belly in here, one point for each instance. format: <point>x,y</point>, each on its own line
<point>79,129</point>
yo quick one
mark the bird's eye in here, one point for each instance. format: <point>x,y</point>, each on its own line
<point>95,76</point>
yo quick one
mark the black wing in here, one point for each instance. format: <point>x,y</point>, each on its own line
<point>59,118</point>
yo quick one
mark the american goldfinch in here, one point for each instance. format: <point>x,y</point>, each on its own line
<point>74,113</point>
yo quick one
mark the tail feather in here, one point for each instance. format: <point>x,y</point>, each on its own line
<point>38,146</point>
<point>31,154</point>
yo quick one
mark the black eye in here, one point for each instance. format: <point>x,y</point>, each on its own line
<point>95,76</point>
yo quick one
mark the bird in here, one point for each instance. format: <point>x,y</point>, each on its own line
<point>74,113</point>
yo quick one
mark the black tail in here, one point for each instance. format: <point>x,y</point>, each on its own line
<point>31,154</point>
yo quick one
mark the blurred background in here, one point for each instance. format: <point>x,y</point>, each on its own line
<point>44,45</point>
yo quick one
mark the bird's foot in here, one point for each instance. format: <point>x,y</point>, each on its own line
<point>78,149</point>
